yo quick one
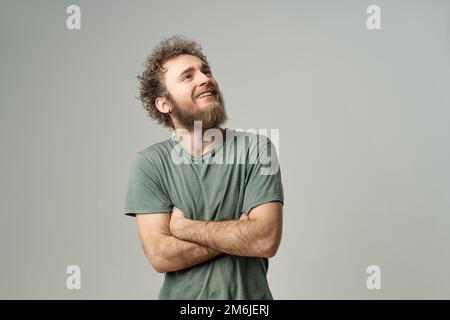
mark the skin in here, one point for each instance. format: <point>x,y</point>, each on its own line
<point>184,89</point>
<point>257,235</point>
<point>172,242</point>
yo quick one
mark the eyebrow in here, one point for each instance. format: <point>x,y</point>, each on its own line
<point>204,66</point>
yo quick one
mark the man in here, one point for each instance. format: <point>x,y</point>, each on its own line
<point>209,214</point>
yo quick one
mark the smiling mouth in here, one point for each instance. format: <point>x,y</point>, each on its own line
<point>207,94</point>
<point>207,97</point>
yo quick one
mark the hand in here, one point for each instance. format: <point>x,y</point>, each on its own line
<point>177,222</point>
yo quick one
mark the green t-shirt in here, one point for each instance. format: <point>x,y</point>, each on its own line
<point>232,178</point>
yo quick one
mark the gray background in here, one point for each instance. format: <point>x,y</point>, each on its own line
<point>364,139</point>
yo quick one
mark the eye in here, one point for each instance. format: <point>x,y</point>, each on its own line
<point>187,76</point>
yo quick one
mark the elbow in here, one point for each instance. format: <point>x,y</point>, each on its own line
<point>155,259</point>
<point>160,269</point>
<point>270,251</point>
<point>270,247</point>
<point>158,266</point>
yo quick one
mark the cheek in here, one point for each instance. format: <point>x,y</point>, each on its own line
<point>188,93</point>
<point>183,94</point>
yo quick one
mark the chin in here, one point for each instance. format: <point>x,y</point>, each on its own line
<point>207,104</point>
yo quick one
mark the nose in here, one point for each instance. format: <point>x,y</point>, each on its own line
<point>204,79</point>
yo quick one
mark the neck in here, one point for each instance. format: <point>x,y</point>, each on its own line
<point>197,142</point>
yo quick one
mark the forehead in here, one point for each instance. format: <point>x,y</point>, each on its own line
<point>175,66</point>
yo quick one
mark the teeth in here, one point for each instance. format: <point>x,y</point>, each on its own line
<point>208,93</point>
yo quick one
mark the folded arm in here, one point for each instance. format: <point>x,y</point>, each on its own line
<point>165,252</point>
<point>257,235</point>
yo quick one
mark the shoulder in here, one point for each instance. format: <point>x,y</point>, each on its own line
<point>154,155</point>
<point>157,149</point>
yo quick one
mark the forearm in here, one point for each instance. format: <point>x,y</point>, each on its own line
<point>242,238</point>
<point>176,254</point>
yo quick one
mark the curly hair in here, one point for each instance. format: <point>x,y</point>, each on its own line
<point>151,80</point>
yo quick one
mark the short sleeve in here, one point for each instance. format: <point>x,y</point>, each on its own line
<point>145,192</point>
<point>263,178</point>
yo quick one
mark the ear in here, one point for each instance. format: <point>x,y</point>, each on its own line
<point>163,105</point>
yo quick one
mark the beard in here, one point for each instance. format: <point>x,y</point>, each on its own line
<point>213,116</point>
